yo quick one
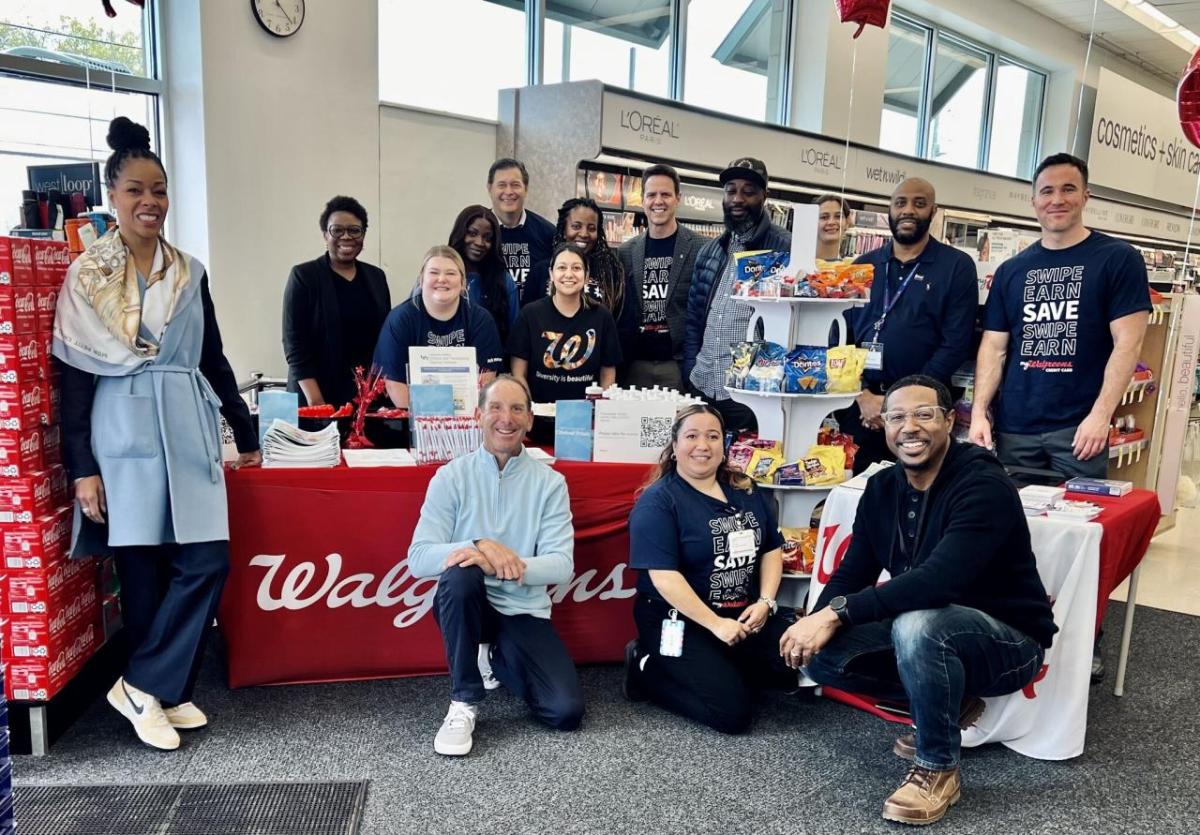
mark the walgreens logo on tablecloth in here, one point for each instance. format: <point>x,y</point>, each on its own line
<point>305,584</point>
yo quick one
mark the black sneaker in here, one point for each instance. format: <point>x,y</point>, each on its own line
<point>631,687</point>
<point>1097,668</point>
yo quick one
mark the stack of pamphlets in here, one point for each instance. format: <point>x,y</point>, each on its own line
<point>1037,498</point>
<point>286,446</point>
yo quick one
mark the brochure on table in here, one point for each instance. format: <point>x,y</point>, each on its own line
<point>573,430</point>
<point>455,367</point>
<point>632,431</point>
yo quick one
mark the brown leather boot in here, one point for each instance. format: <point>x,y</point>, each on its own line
<point>972,708</point>
<point>923,797</point>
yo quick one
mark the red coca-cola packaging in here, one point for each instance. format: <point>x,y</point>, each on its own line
<point>51,409</point>
<point>26,498</point>
<point>52,445</point>
<point>20,353</point>
<point>21,406</point>
<point>50,262</point>
<point>60,491</point>
<point>46,634</point>
<point>41,679</point>
<point>39,544</point>
<point>21,453</point>
<point>46,591</point>
<point>16,262</point>
<point>18,309</point>
<point>46,303</point>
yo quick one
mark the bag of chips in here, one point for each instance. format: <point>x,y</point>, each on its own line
<point>804,371</point>
<point>743,358</point>
<point>844,367</point>
<point>824,465</point>
<point>799,549</point>
<point>763,464</point>
<point>766,374</point>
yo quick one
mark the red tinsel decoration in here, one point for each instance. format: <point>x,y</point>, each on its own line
<point>1188,98</point>
<point>370,387</point>
<point>862,12</point>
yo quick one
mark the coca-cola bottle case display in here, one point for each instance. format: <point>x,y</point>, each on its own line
<point>54,612</point>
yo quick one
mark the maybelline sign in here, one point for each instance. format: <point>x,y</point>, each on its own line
<point>1137,145</point>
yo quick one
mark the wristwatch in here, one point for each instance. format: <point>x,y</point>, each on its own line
<point>771,604</point>
<point>838,607</point>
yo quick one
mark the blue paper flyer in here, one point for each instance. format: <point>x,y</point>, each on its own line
<point>573,430</point>
<point>431,400</point>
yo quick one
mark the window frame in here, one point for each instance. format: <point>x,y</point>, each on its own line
<point>995,59</point>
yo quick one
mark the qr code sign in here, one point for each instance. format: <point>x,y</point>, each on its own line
<point>656,432</point>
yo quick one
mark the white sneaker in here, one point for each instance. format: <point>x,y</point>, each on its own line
<point>145,714</point>
<point>185,717</point>
<point>490,682</point>
<point>454,737</point>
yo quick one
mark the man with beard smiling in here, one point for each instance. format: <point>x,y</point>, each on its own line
<point>714,320</point>
<point>920,318</point>
<point>495,530</point>
<point>964,615</point>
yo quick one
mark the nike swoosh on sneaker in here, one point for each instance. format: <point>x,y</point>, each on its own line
<point>136,707</point>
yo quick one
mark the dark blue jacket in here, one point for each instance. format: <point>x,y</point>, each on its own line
<point>931,328</point>
<point>710,263</point>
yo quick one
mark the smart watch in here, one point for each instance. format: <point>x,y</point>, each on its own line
<point>838,607</point>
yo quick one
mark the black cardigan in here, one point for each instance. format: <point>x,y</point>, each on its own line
<point>79,390</point>
<point>972,549</point>
<point>312,326</point>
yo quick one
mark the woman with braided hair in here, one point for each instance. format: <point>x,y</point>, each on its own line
<point>581,224</point>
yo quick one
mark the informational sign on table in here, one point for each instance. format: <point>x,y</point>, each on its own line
<point>632,431</point>
<point>455,367</point>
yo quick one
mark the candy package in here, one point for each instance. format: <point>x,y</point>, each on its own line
<point>804,370</point>
<point>799,549</point>
<point>743,358</point>
<point>844,367</point>
<point>766,374</point>
<point>763,464</point>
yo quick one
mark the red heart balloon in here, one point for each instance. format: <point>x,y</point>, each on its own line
<point>862,12</point>
<point>1188,98</point>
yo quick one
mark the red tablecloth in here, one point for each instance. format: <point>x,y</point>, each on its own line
<point>1129,523</point>
<point>319,589</point>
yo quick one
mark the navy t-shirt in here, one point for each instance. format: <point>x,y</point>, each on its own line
<point>565,353</point>
<point>1056,306</point>
<point>654,334</point>
<point>676,527</point>
<point>408,324</point>
<point>526,245</point>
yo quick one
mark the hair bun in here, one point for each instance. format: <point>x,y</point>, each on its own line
<point>125,134</point>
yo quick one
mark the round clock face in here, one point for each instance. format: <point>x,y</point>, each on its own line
<point>279,17</point>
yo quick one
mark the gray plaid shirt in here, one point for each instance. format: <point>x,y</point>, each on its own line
<point>726,324</point>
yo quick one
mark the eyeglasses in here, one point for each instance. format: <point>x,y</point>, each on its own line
<point>351,232</point>
<point>923,415</point>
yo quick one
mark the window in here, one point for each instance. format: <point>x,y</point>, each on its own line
<point>630,50</point>
<point>950,100</point>
<point>66,70</point>
<point>735,56</point>
<point>452,55</point>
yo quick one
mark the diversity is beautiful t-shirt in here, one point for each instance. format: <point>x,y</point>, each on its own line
<point>565,353</point>
<point>676,527</point>
<point>1056,306</point>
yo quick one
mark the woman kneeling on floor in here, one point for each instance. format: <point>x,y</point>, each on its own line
<point>710,559</point>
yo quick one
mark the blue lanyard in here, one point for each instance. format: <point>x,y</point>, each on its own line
<point>888,300</point>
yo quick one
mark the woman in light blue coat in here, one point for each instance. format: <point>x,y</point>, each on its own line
<point>144,382</point>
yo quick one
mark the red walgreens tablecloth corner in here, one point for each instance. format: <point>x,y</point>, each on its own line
<point>1129,523</point>
<point>319,590</point>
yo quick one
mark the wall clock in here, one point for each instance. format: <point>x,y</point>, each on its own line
<point>281,18</point>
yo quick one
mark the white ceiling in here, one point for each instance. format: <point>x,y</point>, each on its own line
<point>1122,34</point>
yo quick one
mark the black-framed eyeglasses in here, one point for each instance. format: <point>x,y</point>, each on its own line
<point>351,232</point>
<point>922,414</point>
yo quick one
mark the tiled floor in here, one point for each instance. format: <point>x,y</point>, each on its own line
<point>1170,575</point>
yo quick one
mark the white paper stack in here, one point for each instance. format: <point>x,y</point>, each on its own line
<point>379,458</point>
<point>286,446</point>
<point>1037,498</point>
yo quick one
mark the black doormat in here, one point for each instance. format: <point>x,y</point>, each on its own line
<point>191,809</point>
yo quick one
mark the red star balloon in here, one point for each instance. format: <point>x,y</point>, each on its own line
<point>1188,97</point>
<point>862,12</point>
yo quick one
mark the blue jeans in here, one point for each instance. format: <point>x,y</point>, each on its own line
<point>932,657</point>
<point>527,655</point>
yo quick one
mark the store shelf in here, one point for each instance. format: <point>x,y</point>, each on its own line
<point>798,300</point>
<point>801,394</point>
<point>1127,453</point>
<point>797,488</point>
<point>787,575</point>
<point>1136,392</point>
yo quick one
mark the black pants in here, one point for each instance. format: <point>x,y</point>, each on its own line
<point>527,655</point>
<point>169,597</point>
<point>711,682</point>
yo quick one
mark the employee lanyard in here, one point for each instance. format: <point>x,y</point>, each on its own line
<point>888,300</point>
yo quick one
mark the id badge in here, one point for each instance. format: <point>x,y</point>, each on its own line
<point>874,356</point>
<point>742,546</point>
<point>670,643</point>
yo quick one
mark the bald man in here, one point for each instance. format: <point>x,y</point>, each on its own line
<point>920,319</point>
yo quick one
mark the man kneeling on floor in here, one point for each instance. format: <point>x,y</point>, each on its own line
<point>496,530</point>
<point>964,614</point>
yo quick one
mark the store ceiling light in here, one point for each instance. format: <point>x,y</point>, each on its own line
<point>1157,21</point>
